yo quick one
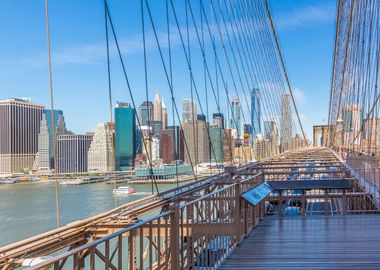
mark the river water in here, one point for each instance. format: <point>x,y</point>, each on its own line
<point>29,209</point>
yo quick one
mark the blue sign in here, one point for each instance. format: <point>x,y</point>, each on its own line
<point>258,193</point>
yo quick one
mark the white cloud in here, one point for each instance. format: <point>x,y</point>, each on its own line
<point>299,96</point>
<point>321,13</point>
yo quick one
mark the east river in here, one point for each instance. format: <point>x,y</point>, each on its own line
<point>29,209</point>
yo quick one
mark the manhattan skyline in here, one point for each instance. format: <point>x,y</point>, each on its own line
<point>79,65</point>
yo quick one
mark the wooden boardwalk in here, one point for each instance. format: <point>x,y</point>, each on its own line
<point>313,242</point>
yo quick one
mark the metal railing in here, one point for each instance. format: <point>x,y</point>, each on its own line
<point>196,233</point>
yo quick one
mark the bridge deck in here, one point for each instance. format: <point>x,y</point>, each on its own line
<point>314,242</point>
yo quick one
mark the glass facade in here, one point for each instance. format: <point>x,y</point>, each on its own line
<point>50,127</point>
<point>125,137</point>
<point>216,138</point>
<point>256,113</point>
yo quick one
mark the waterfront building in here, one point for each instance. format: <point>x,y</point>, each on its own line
<point>172,144</point>
<point>101,152</point>
<point>163,172</point>
<point>155,149</point>
<point>255,113</point>
<point>145,113</point>
<point>189,110</point>
<point>44,146</point>
<point>286,118</point>
<point>218,120</point>
<point>19,127</point>
<point>235,121</point>
<point>58,125</point>
<point>201,117</point>
<point>125,136</point>
<point>156,128</point>
<point>139,143</point>
<point>198,142</point>
<point>164,116</point>
<point>228,145</point>
<point>72,153</point>
<point>216,139</point>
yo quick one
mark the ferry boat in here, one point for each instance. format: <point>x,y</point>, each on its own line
<point>124,191</point>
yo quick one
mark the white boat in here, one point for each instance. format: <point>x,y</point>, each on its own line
<point>71,182</point>
<point>124,191</point>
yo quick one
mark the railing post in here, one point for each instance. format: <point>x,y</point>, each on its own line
<point>344,202</point>
<point>303,204</point>
<point>326,204</point>
<point>132,250</point>
<point>174,236</point>
<point>280,203</point>
<point>238,212</point>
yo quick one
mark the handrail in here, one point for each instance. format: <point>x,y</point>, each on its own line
<point>97,242</point>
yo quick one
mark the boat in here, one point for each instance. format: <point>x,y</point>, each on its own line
<point>126,190</point>
<point>71,182</point>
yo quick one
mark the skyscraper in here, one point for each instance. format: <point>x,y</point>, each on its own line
<point>146,113</point>
<point>19,128</point>
<point>101,152</point>
<point>189,110</point>
<point>58,115</point>
<point>61,126</point>
<point>156,128</point>
<point>247,134</point>
<point>172,145</point>
<point>43,146</point>
<point>286,118</point>
<point>255,112</point>
<point>201,117</point>
<point>216,139</point>
<point>218,120</point>
<point>235,121</point>
<point>164,116</point>
<point>125,136</point>
<point>157,105</point>
<point>72,153</point>
<point>198,142</point>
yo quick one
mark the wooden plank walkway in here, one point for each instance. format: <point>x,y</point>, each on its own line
<point>311,242</point>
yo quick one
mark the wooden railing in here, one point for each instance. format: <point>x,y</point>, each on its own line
<point>198,232</point>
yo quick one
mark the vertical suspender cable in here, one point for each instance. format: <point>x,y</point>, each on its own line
<point>52,114</point>
<point>110,100</point>
<point>284,69</point>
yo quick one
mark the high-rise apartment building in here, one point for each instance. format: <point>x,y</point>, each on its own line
<point>172,145</point>
<point>286,118</point>
<point>218,120</point>
<point>228,145</point>
<point>164,116</point>
<point>125,136</point>
<point>157,105</point>
<point>44,146</point>
<point>58,126</point>
<point>235,121</point>
<point>72,153</point>
<point>19,128</point>
<point>198,142</point>
<point>216,138</point>
<point>101,152</point>
<point>255,113</point>
<point>189,110</point>
<point>146,113</point>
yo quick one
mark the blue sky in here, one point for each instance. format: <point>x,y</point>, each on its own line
<point>305,29</point>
